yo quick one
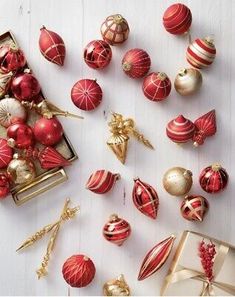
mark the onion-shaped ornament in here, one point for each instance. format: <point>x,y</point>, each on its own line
<point>194,208</point>
<point>180,129</point>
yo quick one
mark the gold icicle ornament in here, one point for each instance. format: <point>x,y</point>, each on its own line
<point>116,287</point>
<point>121,129</point>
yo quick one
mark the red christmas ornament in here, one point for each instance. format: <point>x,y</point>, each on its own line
<point>213,179</point>
<point>20,135</point>
<point>86,94</point>
<point>97,54</point>
<point>207,254</point>
<point>180,129</point>
<point>156,257</point>
<point>52,46</point>
<point>136,63</point>
<point>205,126</point>
<point>145,198</point>
<point>5,82</point>
<point>201,52</point>
<point>156,86</point>
<point>11,58</point>
<point>78,271</point>
<point>116,230</point>
<point>6,153</point>
<point>48,131</point>
<point>177,19</point>
<point>194,208</point>
<point>4,185</point>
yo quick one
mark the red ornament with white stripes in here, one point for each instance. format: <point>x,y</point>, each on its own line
<point>102,181</point>
<point>78,271</point>
<point>201,52</point>
<point>136,63</point>
<point>213,179</point>
<point>194,207</point>
<point>116,230</point>
<point>156,257</point>
<point>97,54</point>
<point>52,46</point>
<point>11,58</point>
<point>180,129</point>
<point>86,94</point>
<point>145,198</point>
<point>6,153</point>
<point>177,19</point>
<point>156,86</point>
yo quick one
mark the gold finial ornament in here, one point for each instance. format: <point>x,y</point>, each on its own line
<point>116,287</point>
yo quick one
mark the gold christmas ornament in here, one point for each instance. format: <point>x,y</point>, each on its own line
<point>177,181</point>
<point>116,287</point>
<point>188,81</point>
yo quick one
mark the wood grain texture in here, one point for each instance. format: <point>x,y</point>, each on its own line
<point>78,22</point>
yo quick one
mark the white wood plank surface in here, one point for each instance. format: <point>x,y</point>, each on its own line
<point>78,22</point>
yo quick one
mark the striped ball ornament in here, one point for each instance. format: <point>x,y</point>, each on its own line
<point>116,230</point>
<point>180,129</point>
<point>194,208</point>
<point>97,54</point>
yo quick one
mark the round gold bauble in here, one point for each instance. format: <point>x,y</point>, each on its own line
<point>177,181</point>
<point>116,287</point>
<point>188,81</point>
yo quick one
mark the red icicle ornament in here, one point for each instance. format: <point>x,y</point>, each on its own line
<point>11,58</point>
<point>207,254</point>
<point>180,129</point>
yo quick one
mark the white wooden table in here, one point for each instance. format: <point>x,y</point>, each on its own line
<point>78,22</point>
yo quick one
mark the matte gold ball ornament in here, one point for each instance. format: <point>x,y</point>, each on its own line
<point>116,287</point>
<point>188,81</point>
<point>177,181</point>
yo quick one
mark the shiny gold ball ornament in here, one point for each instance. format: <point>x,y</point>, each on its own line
<point>116,287</point>
<point>188,81</point>
<point>177,181</point>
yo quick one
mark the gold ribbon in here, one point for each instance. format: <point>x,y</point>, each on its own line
<point>208,286</point>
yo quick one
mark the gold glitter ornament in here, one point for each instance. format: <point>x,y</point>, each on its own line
<point>116,287</point>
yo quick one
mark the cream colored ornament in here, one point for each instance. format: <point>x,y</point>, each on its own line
<point>116,287</point>
<point>188,81</point>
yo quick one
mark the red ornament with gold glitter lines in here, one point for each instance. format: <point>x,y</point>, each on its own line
<point>180,129</point>
<point>97,54</point>
<point>102,181</point>
<point>136,63</point>
<point>78,271</point>
<point>194,208</point>
<point>86,94</point>
<point>6,153</point>
<point>156,257</point>
<point>201,52</point>
<point>213,179</point>
<point>156,86</point>
<point>52,46</point>
<point>177,19</point>
<point>20,135</point>
<point>116,230</point>
<point>4,185</point>
<point>11,58</point>
<point>145,198</point>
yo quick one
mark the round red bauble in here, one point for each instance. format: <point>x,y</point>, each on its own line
<point>177,19</point>
<point>97,54</point>
<point>20,135</point>
<point>194,208</point>
<point>52,46</point>
<point>4,185</point>
<point>6,153</point>
<point>11,58</point>
<point>136,63</point>
<point>48,131</point>
<point>156,86</point>
<point>78,271</point>
<point>86,94</point>
<point>213,179</point>
<point>180,129</point>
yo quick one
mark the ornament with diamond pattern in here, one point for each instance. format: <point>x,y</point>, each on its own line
<point>194,208</point>
<point>97,54</point>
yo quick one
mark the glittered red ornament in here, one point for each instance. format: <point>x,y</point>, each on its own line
<point>194,207</point>
<point>48,131</point>
<point>180,129</point>
<point>177,19</point>
<point>78,271</point>
<point>11,58</point>
<point>213,179</point>
<point>20,135</point>
<point>97,54</point>
<point>156,86</point>
<point>4,185</point>
<point>136,63</point>
<point>6,153</point>
<point>86,94</point>
<point>145,198</point>
<point>52,46</point>
<point>207,254</point>
<point>116,230</point>
<point>156,257</point>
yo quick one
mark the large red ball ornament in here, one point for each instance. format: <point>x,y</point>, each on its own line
<point>180,129</point>
<point>194,208</point>
<point>4,185</point>
<point>177,19</point>
<point>78,271</point>
<point>156,86</point>
<point>20,135</point>
<point>11,58</point>
<point>52,46</point>
<point>136,63</point>
<point>86,94</point>
<point>213,179</point>
<point>6,153</point>
<point>97,54</point>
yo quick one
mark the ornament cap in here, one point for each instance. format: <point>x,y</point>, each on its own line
<point>11,142</point>
<point>162,76</point>
<point>209,40</point>
<point>85,258</point>
<point>14,48</point>
<point>118,18</point>
<point>187,173</point>
<point>216,167</point>
<point>126,66</point>
<point>113,217</point>
<point>27,70</point>
<point>136,178</point>
<point>182,72</point>
<point>43,28</point>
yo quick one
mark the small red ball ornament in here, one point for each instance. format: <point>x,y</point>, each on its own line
<point>20,135</point>
<point>11,58</point>
<point>97,54</point>
<point>177,19</point>
<point>86,94</point>
<point>156,86</point>
<point>52,46</point>
<point>4,185</point>
<point>48,131</point>
<point>78,271</point>
<point>194,208</point>
<point>116,230</point>
<point>136,63</point>
<point>213,179</point>
<point>180,129</point>
<point>6,153</point>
